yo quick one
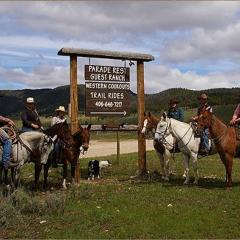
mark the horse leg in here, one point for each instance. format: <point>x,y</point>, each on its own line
<point>46,168</point>
<point>1,174</point>
<point>38,168</point>
<point>229,163</point>
<point>64,174</point>
<point>161,158</point>
<point>167,163</point>
<point>73,167</point>
<point>17,178</point>
<point>195,168</point>
<point>186,168</point>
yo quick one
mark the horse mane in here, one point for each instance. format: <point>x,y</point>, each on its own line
<point>55,129</point>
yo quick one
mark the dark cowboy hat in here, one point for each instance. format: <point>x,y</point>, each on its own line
<point>203,96</point>
<point>174,101</point>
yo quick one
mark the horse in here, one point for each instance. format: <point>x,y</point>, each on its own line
<point>185,138</point>
<point>28,146</point>
<point>224,138</point>
<point>72,146</point>
<point>162,148</point>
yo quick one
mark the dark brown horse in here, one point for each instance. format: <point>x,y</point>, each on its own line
<point>224,138</point>
<point>72,146</point>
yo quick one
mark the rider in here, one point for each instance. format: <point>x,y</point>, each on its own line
<point>236,116</point>
<point>30,117</point>
<point>7,143</point>
<point>58,118</point>
<point>204,146</point>
<point>174,111</point>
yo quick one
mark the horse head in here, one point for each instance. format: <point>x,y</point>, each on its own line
<point>82,138</point>
<point>162,129</point>
<point>46,148</point>
<point>149,123</point>
<point>203,121</point>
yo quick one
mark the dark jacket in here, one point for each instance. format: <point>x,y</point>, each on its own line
<point>30,116</point>
<point>203,108</point>
<point>176,113</point>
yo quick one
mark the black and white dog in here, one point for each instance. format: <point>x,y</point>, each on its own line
<point>95,167</point>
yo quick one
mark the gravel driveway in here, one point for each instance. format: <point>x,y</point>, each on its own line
<point>99,148</point>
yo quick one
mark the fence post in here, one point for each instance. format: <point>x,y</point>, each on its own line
<point>118,148</point>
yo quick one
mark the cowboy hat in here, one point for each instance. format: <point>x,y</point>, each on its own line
<point>203,96</point>
<point>173,101</point>
<point>60,109</point>
<point>30,100</point>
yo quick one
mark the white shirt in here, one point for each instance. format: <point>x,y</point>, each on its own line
<point>57,119</point>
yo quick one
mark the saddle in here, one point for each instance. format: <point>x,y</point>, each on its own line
<point>11,133</point>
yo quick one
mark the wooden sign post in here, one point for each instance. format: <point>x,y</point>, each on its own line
<point>74,105</point>
<point>140,59</point>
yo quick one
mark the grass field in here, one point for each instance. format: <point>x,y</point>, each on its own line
<point>119,207</point>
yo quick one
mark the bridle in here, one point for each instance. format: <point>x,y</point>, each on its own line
<point>164,140</point>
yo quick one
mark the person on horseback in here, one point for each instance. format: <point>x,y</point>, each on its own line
<point>7,143</point>
<point>236,117</point>
<point>30,117</point>
<point>58,118</point>
<point>204,145</point>
<point>174,111</point>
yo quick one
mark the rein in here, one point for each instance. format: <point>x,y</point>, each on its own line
<point>172,145</point>
<point>218,139</point>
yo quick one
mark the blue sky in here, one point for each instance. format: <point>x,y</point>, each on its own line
<point>195,44</point>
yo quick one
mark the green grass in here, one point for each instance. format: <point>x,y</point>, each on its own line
<point>118,207</point>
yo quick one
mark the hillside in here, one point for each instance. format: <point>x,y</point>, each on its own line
<point>12,101</point>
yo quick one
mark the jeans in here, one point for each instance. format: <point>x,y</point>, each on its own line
<point>27,129</point>
<point>7,147</point>
<point>205,139</point>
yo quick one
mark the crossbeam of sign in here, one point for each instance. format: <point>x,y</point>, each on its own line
<point>107,90</point>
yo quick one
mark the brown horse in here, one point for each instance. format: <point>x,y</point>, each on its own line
<point>224,138</point>
<point>72,146</point>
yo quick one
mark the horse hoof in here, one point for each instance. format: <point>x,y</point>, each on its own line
<point>186,183</point>
<point>195,182</point>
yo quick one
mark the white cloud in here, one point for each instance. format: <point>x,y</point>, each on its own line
<point>205,45</point>
<point>159,78</point>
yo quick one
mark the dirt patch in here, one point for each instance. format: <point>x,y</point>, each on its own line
<point>99,148</point>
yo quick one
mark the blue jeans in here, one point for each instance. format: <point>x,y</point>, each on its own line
<point>27,129</point>
<point>205,139</point>
<point>7,147</point>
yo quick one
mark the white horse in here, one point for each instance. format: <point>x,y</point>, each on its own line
<point>29,146</point>
<point>163,147</point>
<point>187,142</point>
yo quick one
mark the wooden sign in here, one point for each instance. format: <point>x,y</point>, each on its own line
<point>107,90</point>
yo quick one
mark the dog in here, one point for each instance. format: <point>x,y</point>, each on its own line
<point>95,168</point>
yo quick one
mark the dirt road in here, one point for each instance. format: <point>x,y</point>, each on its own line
<point>99,148</point>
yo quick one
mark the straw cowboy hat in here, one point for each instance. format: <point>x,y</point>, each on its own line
<point>30,100</point>
<point>203,96</point>
<point>60,109</point>
<point>174,101</point>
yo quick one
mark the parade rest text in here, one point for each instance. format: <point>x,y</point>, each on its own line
<point>106,73</point>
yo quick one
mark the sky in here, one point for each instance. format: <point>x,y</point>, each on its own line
<point>196,45</point>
